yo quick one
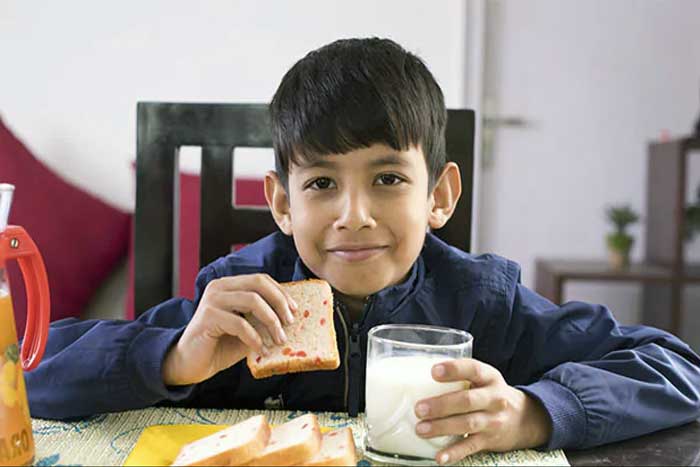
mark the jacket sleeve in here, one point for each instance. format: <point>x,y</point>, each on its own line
<point>599,381</point>
<point>97,366</point>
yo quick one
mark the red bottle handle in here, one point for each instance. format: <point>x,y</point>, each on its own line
<point>15,243</point>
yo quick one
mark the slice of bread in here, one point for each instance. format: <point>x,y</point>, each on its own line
<point>293,443</point>
<point>234,445</point>
<point>311,341</point>
<point>337,448</point>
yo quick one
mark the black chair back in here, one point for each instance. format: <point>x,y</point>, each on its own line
<point>162,128</point>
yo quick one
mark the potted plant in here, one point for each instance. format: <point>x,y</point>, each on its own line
<point>620,242</point>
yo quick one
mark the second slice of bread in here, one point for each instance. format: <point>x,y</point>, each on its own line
<point>234,445</point>
<point>337,448</point>
<point>292,443</point>
<point>311,338</point>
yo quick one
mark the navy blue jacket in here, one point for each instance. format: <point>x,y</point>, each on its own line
<point>599,381</point>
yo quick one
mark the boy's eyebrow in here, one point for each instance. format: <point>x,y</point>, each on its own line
<point>318,163</point>
<point>389,159</point>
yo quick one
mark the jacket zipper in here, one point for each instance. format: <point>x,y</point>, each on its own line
<point>347,354</point>
<point>352,343</point>
<point>355,354</point>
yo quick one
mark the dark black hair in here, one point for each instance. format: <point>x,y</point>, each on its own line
<point>351,94</point>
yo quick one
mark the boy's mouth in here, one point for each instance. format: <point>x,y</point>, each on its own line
<point>354,253</point>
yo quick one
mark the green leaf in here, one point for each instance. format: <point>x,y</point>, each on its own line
<point>621,217</point>
<point>12,353</point>
<point>620,242</point>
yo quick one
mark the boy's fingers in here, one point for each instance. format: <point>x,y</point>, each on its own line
<point>454,453</point>
<point>237,326</point>
<point>273,294</point>
<point>457,402</point>
<point>266,287</point>
<point>285,303</point>
<point>455,425</point>
<point>251,302</point>
<point>466,369</point>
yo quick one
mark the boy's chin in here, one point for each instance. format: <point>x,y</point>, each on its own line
<point>356,290</point>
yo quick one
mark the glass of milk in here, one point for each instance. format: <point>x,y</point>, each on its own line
<point>399,362</point>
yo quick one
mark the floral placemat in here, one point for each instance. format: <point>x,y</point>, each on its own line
<point>108,439</point>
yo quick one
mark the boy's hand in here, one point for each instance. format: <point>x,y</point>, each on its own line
<point>218,336</point>
<point>496,416</point>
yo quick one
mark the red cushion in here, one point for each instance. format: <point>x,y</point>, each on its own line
<point>80,237</point>
<point>189,242</point>
<point>249,192</point>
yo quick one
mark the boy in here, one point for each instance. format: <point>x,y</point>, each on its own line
<point>358,130</point>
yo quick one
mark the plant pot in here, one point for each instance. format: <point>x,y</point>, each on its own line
<point>618,259</point>
<point>619,247</point>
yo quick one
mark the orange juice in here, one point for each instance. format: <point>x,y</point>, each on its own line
<point>16,441</point>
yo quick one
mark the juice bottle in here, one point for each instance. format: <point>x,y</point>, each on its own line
<point>16,441</point>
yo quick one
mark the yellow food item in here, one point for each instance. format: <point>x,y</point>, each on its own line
<point>22,393</point>
<point>8,395</point>
<point>9,374</point>
<point>10,381</point>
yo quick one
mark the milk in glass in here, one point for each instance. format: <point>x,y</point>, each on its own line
<point>394,386</point>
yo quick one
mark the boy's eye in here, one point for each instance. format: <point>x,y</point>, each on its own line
<point>389,179</point>
<point>321,183</point>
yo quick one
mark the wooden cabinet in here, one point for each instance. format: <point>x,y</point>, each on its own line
<point>664,271</point>
<point>667,180</point>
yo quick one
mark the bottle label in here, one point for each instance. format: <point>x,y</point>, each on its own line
<point>16,441</point>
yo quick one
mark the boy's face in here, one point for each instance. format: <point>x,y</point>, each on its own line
<point>359,219</point>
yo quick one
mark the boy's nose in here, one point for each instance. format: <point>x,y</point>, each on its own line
<point>355,213</point>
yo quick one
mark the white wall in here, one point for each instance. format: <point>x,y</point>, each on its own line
<point>597,80</point>
<point>72,71</point>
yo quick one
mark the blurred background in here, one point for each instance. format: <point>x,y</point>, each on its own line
<point>569,96</point>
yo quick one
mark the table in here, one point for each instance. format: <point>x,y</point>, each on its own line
<point>108,439</point>
<point>662,285</point>
<point>675,446</point>
<point>551,274</point>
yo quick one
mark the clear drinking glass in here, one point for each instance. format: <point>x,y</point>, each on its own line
<point>399,362</point>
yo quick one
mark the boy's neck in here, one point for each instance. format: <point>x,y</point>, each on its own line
<point>355,306</point>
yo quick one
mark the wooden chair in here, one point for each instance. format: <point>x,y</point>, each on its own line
<point>219,128</point>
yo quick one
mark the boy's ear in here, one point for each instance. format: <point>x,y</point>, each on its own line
<point>278,201</point>
<point>445,195</point>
